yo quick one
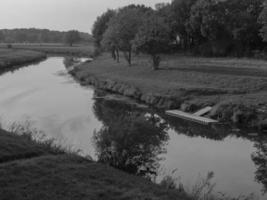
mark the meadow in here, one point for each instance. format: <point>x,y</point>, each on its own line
<point>12,57</point>
<point>56,48</point>
<point>194,82</point>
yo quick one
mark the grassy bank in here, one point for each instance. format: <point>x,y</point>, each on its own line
<point>31,170</point>
<point>11,58</point>
<point>237,88</point>
<point>59,49</point>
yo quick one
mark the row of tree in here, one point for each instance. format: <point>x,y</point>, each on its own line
<point>206,27</point>
<point>33,35</point>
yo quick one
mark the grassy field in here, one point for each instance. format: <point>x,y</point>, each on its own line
<point>14,147</point>
<point>77,50</point>
<point>186,73</point>
<point>194,81</point>
<point>30,170</point>
<point>12,58</point>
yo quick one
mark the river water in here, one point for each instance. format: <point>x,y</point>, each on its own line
<point>129,137</point>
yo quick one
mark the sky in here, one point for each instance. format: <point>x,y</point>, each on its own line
<point>59,15</point>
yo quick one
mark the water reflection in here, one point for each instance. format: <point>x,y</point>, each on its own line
<point>136,140</point>
<point>197,130</point>
<point>128,137</point>
<point>260,160</point>
<point>130,140</point>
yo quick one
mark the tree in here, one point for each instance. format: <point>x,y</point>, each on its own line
<point>153,38</point>
<point>243,23</point>
<point>179,15</point>
<point>208,19</point>
<point>128,140</point>
<point>229,24</point>
<point>122,29</point>
<point>111,43</point>
<point>2,36</point>
<point>101,25</point>
<point>160,6</point>
<point>259,157</point>
<point>72,37</point>
<point>263,21</point>
<point>21,36</point>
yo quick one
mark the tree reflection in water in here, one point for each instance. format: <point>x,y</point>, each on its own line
<point>260,160</point>
<point>130,140</point>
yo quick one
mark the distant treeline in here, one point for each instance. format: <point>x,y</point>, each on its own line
<point>33,35</point>
<point>203,27</point>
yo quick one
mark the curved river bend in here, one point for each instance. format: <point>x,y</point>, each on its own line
<point>133,139</point>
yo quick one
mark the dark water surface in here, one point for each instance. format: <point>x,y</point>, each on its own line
<point>133,139</point>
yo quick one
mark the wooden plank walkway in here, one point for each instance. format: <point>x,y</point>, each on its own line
<point>191,117</point>
<point>203,111</point>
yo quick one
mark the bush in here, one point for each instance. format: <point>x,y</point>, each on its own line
<point>234,112</point>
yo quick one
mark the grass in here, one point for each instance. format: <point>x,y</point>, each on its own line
<point>32,170</point>
<point>203,189</point>
<point>185,73</point>
<point>12,57</point>
<point>77,50</point>
<point>194,81</point>
<point>23,146</point>
<point>72,177</point>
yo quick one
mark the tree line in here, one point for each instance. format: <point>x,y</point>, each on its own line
<point>202,27</point>
<point>33,35</point>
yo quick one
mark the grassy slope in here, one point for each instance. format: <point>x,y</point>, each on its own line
<point>47,174</point>
<point>230,75</point>
<point>198,81</point>
<point>12,57</point>
<point>13,147</point>
<point>78,50</point>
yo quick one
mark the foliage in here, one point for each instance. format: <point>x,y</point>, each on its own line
<point>110,41</point>
<point>230,25</point>
<point>179,16</point>
<point>33,35</point>
<point>100,26</point>
<point>153,38</point>
<point>72,37</point>
<point>122,29</point>
<point>2,36</point>
<point>263,21</point>
<point>260,159</point>
<point>243,23</point>
<point>208,20</point>
<point>129,140</point>
<point>205,27</point>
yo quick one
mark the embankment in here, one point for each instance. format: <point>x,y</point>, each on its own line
<point>32,170</point>
<point>11,58</point>
<point>58,49</point>
<point>238,98</point>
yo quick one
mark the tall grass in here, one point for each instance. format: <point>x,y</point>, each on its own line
<point>34,135</point>
<point>203,189</point>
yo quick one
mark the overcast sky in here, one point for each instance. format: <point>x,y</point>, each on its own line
<point>58,14</point>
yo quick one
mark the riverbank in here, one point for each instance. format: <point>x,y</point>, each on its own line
<point>33,170</point>
<point>12,58</point>
<point>236,88</point>
<point>58,49</point>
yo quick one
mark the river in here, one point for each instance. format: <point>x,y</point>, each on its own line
<point>129,137</point>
